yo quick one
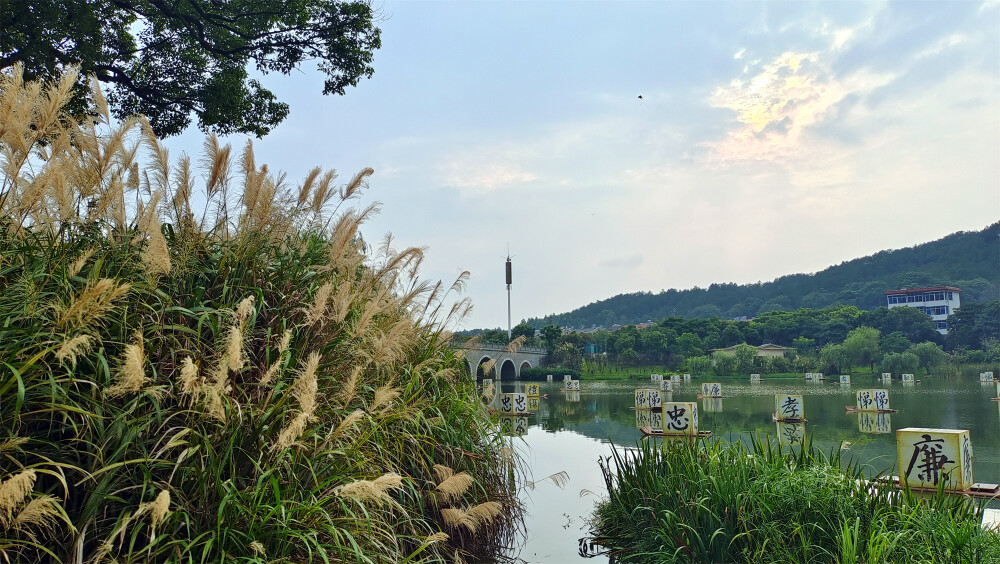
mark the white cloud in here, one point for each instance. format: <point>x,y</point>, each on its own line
<point>739,54</point>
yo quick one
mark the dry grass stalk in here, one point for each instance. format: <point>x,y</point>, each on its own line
<point>73,348</point>
<point>436,537</point>
<point>132,372</point>
<point>451,486</point>
<point>371,490</point>
<point>90,304</point>
<point>234,348</point>
<point>258,548</point>
<point>347,423</point>
<point>317,309</point>
<point>306,386</point>
<point>342,302</point>
<point>13,491</point>
<point>291,432</point>
<point>346,394</point>
<point>189,379</point>
<point>156,255</point>
<point>42,512</point>
<point>244,309</point>
<point>474,518</point>
<point>12,443</point>
<point>79,263</point>
<point>384,397</point>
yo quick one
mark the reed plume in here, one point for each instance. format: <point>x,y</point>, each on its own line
<point>42,512</point>
<point>371,490</point>
<point>90,304</point>
<point>383,398</point>
<point>473,518</point>
<point>451,486</point>
<point>73,348</point>
<point>316,310</point>
<point>189,380</point>
<point>79,263</point>
<point>132,370</point>
<point>13,491</point>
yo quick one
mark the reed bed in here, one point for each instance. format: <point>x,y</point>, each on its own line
<point>243,379</point>
<point>713,501</point>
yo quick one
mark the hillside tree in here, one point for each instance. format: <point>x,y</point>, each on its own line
<point>171,60</point>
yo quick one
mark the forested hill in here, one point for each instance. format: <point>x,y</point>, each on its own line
<point>967,259</point>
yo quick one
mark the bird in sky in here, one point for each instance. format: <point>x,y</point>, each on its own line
<point>640,96</point>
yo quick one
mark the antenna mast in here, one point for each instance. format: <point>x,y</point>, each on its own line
<point>508,296</point>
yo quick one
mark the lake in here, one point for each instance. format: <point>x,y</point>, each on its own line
<point>570,431</point>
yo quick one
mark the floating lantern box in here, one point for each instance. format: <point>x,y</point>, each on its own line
<point>513,403</point>
<point>875,423</point>
<point>788,407</point>
<point>755,377</point>
<point>711,389</point>
<point>872,400</point>
<point>845,378</point>
<point>809,376</point>
<point>712,405</point>
<point>986,377</point>
<point>675,378</point>
<point>574,385</point>
<point>533,390</point>
<point>680,418</point>
<point>487,382</point>
<point>926,457</point>
<point>791,434</point>
<point>656,378</point>
<point>534,404</point>
<point>567,377</point>
<point>666,386</point>
<point>548,377</point>
<point>908,378</point>
<point>647,399</point>
<point>687,377</point>
<point>886,376</point>
<point>572,396</point>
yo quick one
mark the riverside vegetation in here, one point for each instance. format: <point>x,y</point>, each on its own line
<point>713,501</point>
<point>248,383</point>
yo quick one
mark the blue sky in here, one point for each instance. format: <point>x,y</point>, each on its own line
<point>771,138</point>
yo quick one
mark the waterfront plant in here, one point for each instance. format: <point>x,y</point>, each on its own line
<point>230,374</point>
<point>715,501</point>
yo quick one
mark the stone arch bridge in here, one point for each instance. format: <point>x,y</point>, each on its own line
<point>508,365</point>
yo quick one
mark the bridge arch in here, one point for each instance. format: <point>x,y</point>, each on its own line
<point>520,370</point>
<point>479,368</point>
<point>507,370</point>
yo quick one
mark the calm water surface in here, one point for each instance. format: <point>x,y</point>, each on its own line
<point>570,432</point>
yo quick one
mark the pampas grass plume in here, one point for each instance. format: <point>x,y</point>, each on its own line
<point>132,373</point>
<point>372,490</point>
<point>71,349</point>
<point>12,493</point>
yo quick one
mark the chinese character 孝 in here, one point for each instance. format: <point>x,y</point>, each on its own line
<point>790,408</point>
<point>928,459</point>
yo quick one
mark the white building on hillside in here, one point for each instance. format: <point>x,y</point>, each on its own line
<point>937,301</point>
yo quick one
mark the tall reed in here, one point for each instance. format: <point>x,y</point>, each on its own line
<point>252,382</point>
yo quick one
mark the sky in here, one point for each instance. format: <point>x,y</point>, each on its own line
<point>618,147</point>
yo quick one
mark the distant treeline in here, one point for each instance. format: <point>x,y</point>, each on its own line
<point>967,259</point>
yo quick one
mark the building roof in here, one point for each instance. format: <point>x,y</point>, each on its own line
<point>765,346</point>
<point>928,289</point>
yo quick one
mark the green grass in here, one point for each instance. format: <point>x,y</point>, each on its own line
<point>713,501</point>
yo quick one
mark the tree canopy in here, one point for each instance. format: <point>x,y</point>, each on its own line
<point>171,60</point>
